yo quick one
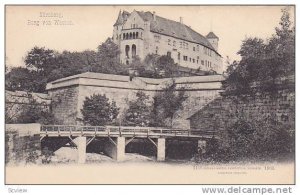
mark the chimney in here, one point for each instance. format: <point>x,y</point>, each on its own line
<point>154,16</point>
<point>181,20</point>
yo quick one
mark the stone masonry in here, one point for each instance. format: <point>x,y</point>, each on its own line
<point>68,94</point>
<point>222,110</point>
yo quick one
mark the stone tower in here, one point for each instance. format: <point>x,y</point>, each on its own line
<point>213,39</point>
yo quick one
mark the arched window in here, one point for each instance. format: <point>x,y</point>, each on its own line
<point>127,48</point>
<point>123,35</point>
<point>130,35</point>
<point>133,50</point>
<point>126,35</point>
<point>137,35</point>
<point>133,35</point>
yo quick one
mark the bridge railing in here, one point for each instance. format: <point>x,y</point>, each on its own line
<point>124,130</point>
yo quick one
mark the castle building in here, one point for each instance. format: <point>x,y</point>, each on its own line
<point>141,33</point>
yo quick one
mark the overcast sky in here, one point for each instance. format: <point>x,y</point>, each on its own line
<point>91,25</point>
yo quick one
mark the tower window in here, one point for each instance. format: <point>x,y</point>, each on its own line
<point>133,50</point>
<point>127,48</point>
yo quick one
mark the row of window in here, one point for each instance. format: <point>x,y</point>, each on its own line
<point>206,62</point>
<point>184,45</point>
<point>131,35</point>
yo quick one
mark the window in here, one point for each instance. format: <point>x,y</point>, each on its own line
<point>202,62</point>
<point>190,59</point>
<point>197,61</point>
<point>169,54</point>
<point>193,60</point>
<point>185,58</point>
<point>178,56</point>
<point>127,48</point>
<point>133,50</point>
<point>194,49</point>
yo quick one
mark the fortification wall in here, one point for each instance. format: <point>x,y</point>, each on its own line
<point>22,143</point>
<point>64,104</point>
<point>224,110</point>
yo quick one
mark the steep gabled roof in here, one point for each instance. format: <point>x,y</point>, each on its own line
<point>120,19</point>
<point>212,35</point>
<point>175,29</point>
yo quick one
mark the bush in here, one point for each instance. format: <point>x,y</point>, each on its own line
<point>139,111</point>
<point>255,139</point>
<point>98,111</point>
<point>32,112</point>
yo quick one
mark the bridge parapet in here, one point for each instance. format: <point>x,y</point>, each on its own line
<point>124,131</point>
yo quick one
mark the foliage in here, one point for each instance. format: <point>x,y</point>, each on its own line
<point>256,139</point>
<point>259,138</point>
<point>263,61</point>
<point>40,59</point>
<point>139,111</point>
<point>46,155</point>
<point>32,112</point>
<point>166,104</point>
<point>155,66</point>
<point>46,65</point>
<point>98,111</point>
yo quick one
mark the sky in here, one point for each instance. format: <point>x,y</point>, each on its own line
<point>86,27</point>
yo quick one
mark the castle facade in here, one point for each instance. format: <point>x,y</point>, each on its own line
<point>142,33</point>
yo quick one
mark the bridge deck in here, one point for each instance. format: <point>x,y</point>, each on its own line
<point>116,131</point>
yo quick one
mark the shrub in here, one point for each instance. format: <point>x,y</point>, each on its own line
<point>98,110</point>
<point>139,111</point>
